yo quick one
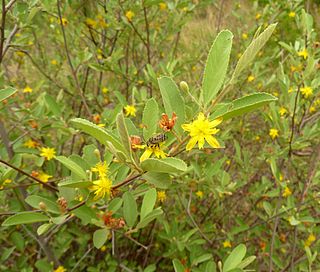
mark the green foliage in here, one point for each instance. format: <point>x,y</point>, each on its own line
<point>231,177</point>
<point>216,66</point>
<point>24,218</point>
<point>5,93</point>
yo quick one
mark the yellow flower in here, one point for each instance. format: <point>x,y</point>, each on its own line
<point>7,181</point>
<point>290,90</point>
<point>199,194</point>
<point>102,187</point>
<point>274,133</point>
<point>129,15</point>
<point>202,129</point>
<point>292,14</point>
<point>226,244</point>
<point>48,153</point>
<point>44,177</point>
<point>102,21</point>
<point>20,54</point>
<point>258,16</point>
<point>283,111</point>
<point>312,109</point>
<point>276,94</point>
<point>311,238</point>
<point>244,36</point>
<point>91,23</point>
<point>54,62</point>
<point>257,138</point>
<point>162,6</point>
<point>30,144</point>
<point>27,89</point>
<point>306,91</point>
<point>161,195</point>
<point>103,248</point>
<point>153,149</point>
<point>104,90</point>
<point>101,168</point>
<point>303,53</point>
<point>64,21</point>
<point>130,110</point>
<point>250,78</point>
<point>287,192</point>
<point>60,269</point>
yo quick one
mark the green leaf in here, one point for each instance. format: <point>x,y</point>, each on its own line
<point>177,265</point>
<point>130,211</point>
<point>52,105</point>
<point>85,213</point>
<point>44,228</point>
<point>211,267</point>
<point>166,165</point>
<point>72,166</point>
<point>150,217</point>
<point>115,204</point>
<point>34,200</point>
<point>5,93</point>
<point>25,218</point>
<point>202,258</point>
<point>75,184</point>
<point>18,240</point>
<point>235,258</point>
<point>150,118</point>
<point>172,100</point>
<point>100,236</point>
<point>245,104</point>
<point>216,65</point>
<point>159,180</point>
<point>149,200</point>
<point>246,262</point>
<point>124,136</point>
<point>251,51</point>
<point>98,133</point>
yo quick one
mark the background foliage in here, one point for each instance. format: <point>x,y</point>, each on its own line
<point>80,78</point>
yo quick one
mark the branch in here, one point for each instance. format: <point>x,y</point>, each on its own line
<point>73,71</point>
<point>292,121</point>
<point>50,187</point>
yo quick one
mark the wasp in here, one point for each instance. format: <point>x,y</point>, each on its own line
<point>155,140</point>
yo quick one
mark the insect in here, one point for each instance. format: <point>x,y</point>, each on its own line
<point>156,139</point>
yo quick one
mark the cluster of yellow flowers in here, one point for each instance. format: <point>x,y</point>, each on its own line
<point>102,186</point>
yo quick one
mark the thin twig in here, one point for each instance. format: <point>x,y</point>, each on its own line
<point>194,222</point>
<point>50,187</point>
<point>292,120</point>
<point>73,71</point>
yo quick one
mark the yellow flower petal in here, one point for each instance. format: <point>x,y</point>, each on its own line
<point>191,143</point>
<point>200,142</point>
<point>212,141</point>
<point>146,154</point>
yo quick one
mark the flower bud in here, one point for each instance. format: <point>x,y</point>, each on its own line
<point>42,206</point>
<point>97,153</point>
<point>184,86</point>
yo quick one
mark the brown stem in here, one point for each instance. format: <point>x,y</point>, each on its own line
<point>50,187</point>
<point>3,23</point>
<point>292,121</point>
<point>73,71</point>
